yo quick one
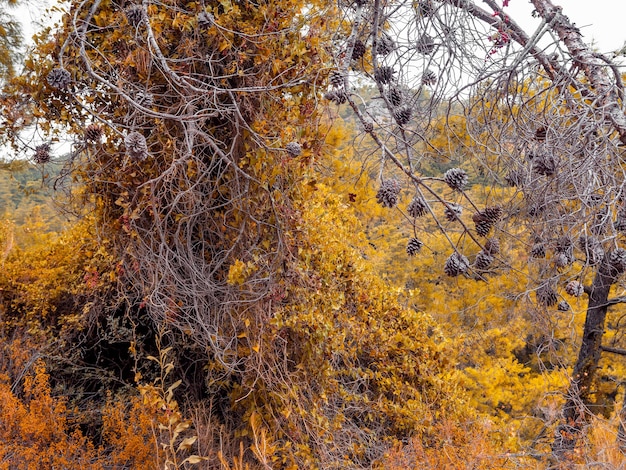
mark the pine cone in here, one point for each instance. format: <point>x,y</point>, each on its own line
<point>385,45</point>
<point>42,154</point>
<point>544,165</point>
<point>387,194</point>
<point>425,44</point>
<point>417,207</point>
<point>453,211</point>
<point>402,115</point>
<point>561,260</point>
<point>538,250</point>
<point>456,178</point>
<point>145,99</point>
<point>293,149</point>
<point>486,219</point>
<point>93,133</point>
<point>384,74</point>
<point>336,79</point>
<point>564,244</point>
<point>492,246</point>
<point>414,246</point>
<point>136,146</point>
<point>574,288</point>
<point>483,260</point>
<point>540,134</point>
<point>592,248</point>
<point>358,50</point>
<point>483,227</point>
<point>134,15</point>
<point>563,306</point>
<point>618,260</point>
<point>336,96</point>
<point>546,295</point>
<point>456,264</point>
<point>565,252</point>
<point>429,78</point>
<point>492,213</point>
<point>59,78</point>
<point>395,96</point>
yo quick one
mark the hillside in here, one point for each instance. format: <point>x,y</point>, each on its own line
<point>26,196</point>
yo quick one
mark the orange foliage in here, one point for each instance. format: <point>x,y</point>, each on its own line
<point>39,430</point>
<point>457,446</point>
<point>35,432</point>
<point>128,431</point>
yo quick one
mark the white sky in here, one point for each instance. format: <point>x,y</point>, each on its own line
<point>31,13</point>
<point>600,21</point>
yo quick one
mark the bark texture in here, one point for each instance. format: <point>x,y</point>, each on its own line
<point>574,411</point>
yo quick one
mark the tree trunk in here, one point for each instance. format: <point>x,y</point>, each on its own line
<point>588,358</point>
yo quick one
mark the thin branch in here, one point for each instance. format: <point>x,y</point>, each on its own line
<point>621,352</point>
<point>616,300</point>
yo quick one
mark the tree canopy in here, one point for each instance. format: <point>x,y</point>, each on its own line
<point>544,118</point>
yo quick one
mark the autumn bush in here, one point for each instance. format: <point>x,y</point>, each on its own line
<point>41,430</point>
<point>339,371</point>
<point>457,445</point>
<point>217,230</point>
<point>36,429</point>
<point>351,370</point>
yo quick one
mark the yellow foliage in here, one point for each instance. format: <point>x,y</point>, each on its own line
<point>485,328</point>
<point>337,354</point>
<point>375,366</point>
<point>39,282</point>
<point>239,272</point>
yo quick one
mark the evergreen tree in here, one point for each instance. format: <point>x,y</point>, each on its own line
<point>538,112</point>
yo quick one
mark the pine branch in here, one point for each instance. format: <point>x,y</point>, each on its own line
<point>621,352</point>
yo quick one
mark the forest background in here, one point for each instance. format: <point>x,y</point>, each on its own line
<point>245,238</point>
